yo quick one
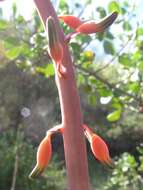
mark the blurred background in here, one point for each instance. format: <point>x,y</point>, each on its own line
<point>109,74</point>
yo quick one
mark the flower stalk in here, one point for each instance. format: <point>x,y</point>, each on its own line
<point>73,135</point>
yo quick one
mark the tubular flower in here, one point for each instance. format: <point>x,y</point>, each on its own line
<point>44,154</point>
<point>98,147</point>
<point>71,20</point>
<point>91,27</point>
<point>55,46</point>
<point>44,151</point>
<point>87,27</point>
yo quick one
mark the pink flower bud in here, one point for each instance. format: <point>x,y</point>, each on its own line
<point>55,46</point>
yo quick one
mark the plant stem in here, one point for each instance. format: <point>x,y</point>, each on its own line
<point>74,141</point>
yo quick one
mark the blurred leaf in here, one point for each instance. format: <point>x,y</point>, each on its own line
<point>108,47</point>
<point>92,80</point>
<point>14,9</point>
<point>113,6</point>
<point>124,59</point>
<point>139,31</point>
<point>114,116</point>
<point>101,11</point>
<point>1,13</point>
<point>109,35</point>
<point>10,42</point>
<point>87,89</point>
<point>4,24</point>
<point>116,105</point>
<point>134,87</point>
<point>80,79</point>
<point>105,92</point>
<point>127,26</point>
<point>140,66</point>
<point>20,19</point>
<point>92,99</point>
<point>100,36</point>
<point>47,70</point>
<point>13,53</point>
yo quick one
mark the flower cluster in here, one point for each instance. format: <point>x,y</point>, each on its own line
<point>44,151</point>
<point>79,27</point>
<point>56,49</point>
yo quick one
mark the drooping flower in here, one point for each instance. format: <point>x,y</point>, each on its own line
<point>44,154</point>
<point>87,27</point>
<point>98,146</point>
<point>44,151</point>
<point>55,46</point>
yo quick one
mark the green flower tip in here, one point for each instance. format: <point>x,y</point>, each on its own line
<point>36,172</point>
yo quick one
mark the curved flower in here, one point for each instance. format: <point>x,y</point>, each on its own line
<point>98,147</point>
<point>44,151</point>
<point>91,27</point>
<point>44,154</point>
<point>87,27</point>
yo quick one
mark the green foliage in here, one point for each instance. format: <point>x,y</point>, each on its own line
<point>114,116</point>
<point>108,47</point>
<point>113,6</point>
<point>4,24</point>
<point>126,175</point>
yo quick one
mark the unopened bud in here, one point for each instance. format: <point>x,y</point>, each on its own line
<point>91,27</point>
<point>55,46</point>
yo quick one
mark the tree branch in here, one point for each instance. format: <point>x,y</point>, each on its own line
<point>108,84</point>
<point>116,55</point>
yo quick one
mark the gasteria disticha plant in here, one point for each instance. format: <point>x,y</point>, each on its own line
<point>72,127</point>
